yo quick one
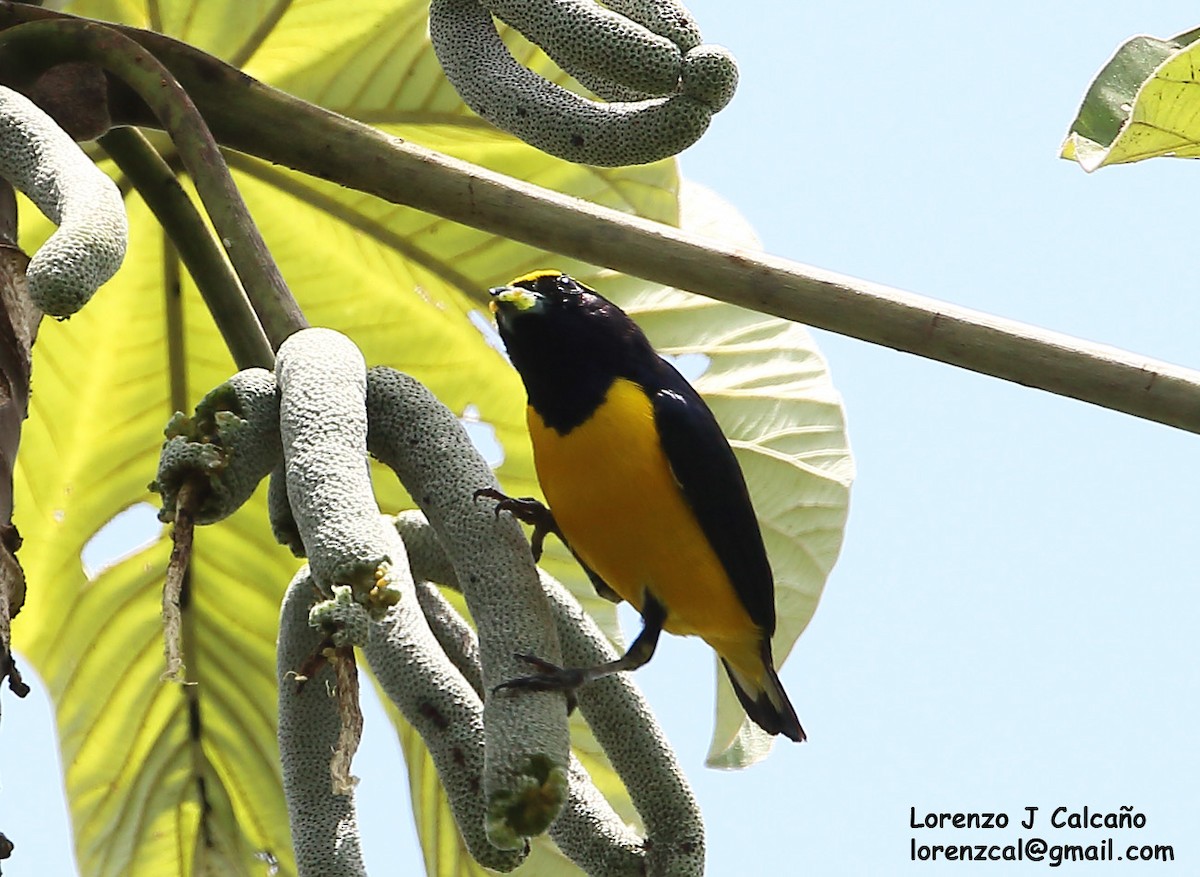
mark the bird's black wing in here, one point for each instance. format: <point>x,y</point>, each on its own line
<point>711,480</point>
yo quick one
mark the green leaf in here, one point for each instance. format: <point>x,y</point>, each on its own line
<point>1142,104</point>
<point>168,780</point>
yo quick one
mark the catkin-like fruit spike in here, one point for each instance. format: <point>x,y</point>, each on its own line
<point>710,75</point>
<point>543,114</point>
<point>228,446</point>
<point>279,511</point>
<point>667,18</point>
<point>39,159</point>
<point>323,425</point>
<point>325,834</point>
<point>441,705</point>
<point>584,37</point>
<point>525,735</point>
<point>588,830</point>
<point>604,88</point>
<point>596,838</point>
<point>645,762</point>
<point>622,723</point>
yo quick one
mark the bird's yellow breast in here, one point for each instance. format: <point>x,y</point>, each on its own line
<point>611,489</point>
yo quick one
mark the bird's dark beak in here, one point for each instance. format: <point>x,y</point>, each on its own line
<point>495,292</point>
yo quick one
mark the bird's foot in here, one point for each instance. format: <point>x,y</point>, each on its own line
<point>549,677</point>
<point>528,510</point>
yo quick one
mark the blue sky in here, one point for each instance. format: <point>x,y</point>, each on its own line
<point>1012,622</point>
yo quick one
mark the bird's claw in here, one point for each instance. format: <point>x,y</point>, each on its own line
<point>549,677</point>
<point>528,510</point>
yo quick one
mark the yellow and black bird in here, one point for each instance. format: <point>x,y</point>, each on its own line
<point>642,487</point>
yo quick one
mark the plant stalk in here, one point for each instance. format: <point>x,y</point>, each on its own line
<point>39,44</point>
<point>249,116</point>
<point>218,283</point>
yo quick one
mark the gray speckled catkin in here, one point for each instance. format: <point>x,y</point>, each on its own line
<point>549,117</point>
<point>591,834</point>
<point>279,512</point>
<point>444,709</point>
<point>453,634</point>
<point>583,36</point>
<point>612,706</point>
<point>229,445</point>
<point>667,18</point>
<point>42,161</point>
<point>325,834</point>
<point>605,88</point>
<point>424,444</point>
<point>587,830</point>
<point>323,425</point>
<point>710,75</point>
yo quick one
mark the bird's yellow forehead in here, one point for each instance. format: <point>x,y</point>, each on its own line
<point>534,276</point>
<point>521,299</point>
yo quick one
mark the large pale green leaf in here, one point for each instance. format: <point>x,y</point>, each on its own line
<point>164,780</point>
<point>1143,104</point>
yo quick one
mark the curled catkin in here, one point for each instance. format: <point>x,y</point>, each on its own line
<point>226,448</point>
<point>39,159</point>
<point>526,735</point>
<point>279,512</point>
<point>710,75</point>
<point>667,18</point>
<point>324,828</point>
<point>442,706</point>
<point>582,36</point>
<point>613,706</point>
<point>323,426</point>
<point>453,634</point>
<point>547,116</point>
<point>588,831</point>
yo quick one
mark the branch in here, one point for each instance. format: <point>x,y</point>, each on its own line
<point>216,280</point>
<point>42,43</point>
<point>18,327</point>
<point>258,120</point>
<point>362,158</point>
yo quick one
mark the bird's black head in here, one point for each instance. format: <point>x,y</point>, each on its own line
<point>567,342</point>
<point>541,300</point>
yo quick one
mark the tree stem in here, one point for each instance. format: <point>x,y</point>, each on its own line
<point>39,44</point>
<point>256,119</point>
<point>218,283</point>
<point>279,128</point>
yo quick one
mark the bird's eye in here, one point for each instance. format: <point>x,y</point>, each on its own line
<point>567,288</point>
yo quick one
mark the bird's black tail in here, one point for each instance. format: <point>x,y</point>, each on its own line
<point>765,701</point>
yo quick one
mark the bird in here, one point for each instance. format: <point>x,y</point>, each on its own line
<point>642,487</point>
